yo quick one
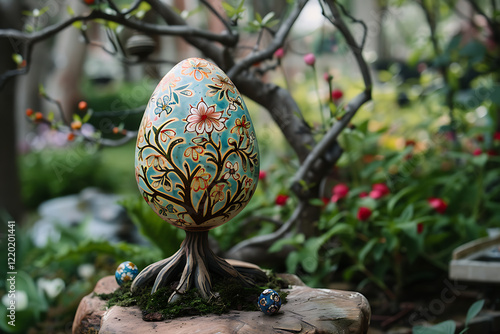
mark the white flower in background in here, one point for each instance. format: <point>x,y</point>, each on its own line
<point>86,270</point>
<point>21,299</point>
<point>52,287</point>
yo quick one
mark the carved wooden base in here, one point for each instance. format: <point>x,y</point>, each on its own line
<point>193,265</point>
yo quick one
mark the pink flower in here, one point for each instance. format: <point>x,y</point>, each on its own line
<point>203,118</point>
<point>477,151</point>
<point>281,199</point>
<point>262,174</point>
<point>339,191</point>
<point>363,194</point>
<point>364,213</point>
<point>379,190</point>
<point>337,94</point>
<point>420,228</point>
<point>438,204</point>
<point>310,59</point>
<point>280,53</point>
<point>327,76</point>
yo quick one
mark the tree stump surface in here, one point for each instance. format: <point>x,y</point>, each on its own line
<point>308,310</point>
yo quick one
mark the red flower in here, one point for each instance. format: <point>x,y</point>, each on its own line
<point>339,191</point>
<point>410,142</point>
<point>364,213</point>
<point>262,174</point>
<point>480,138</point>
<point>420,228</point>
<point>477,151</point>
<point>438,204</point>
<point>310,59</point>
<point>496,136</point>
<point>337,94</point>
<point>325,200</point>
<point>281,199</point>
<point>363,194</point>
<point>379,190</point>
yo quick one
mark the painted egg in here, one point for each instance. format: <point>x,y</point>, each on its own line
<point>197,159</point>
<point>125,272</point>
<point>269,302</point>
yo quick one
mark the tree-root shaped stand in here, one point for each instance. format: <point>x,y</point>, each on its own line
<point>196,265</point>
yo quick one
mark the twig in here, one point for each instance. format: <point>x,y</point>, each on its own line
<point>178,30</point>
<point>481,12</point>
<point>115,142</point>
<point>277,42</point>
<point>355,20</point>
<point>58,105</point>
<point>216,13</point>
<point>351,108</point>
<point>133,7</point>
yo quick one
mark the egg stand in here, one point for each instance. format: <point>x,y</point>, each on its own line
<point>198,263</point>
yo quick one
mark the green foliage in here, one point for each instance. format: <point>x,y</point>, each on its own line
<point>449,326</point>
<point>55,172</point>
<point>162,234</point>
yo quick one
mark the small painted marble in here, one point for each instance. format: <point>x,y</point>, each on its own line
<point>125,272</point>
<point>269,302</point>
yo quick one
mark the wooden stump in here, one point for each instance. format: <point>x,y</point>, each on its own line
<point>308,310</point>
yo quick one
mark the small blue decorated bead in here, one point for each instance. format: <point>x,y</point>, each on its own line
<point>269,302</point>
<point>125,272</point>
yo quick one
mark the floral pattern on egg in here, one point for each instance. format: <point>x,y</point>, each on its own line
<point>197,160</point>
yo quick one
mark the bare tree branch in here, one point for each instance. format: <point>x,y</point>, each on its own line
<point>29,39</point>
<point>277,42</point>
<point>218,15</point>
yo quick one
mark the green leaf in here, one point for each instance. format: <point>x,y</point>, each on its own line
<point>394,199</point>
<point>446,327</point>
<point>366,249</point>
<point>77,118</point>
<point>407,213</point>
<point>87,116</point>
<point>70,10</point>
<point>258,18</point>
<point>316,202</point>
<point>292,261</point>
<point>17,58</point>
<point>50,116</point>
<point>41,90</point>
<point>78,25</point>
<point>473,311</point>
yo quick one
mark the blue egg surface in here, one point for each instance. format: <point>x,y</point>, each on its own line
<point>125,272</point>
<point>197,159</point>
<point>269,302</point>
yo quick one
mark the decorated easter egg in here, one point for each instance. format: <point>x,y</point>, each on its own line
<point>269,302</point>
<point>197,159</point>
<point>125,272</point>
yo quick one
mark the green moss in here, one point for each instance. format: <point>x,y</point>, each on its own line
<point>228,294</point>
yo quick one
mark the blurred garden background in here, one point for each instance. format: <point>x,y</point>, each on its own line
<point>416,171</point>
